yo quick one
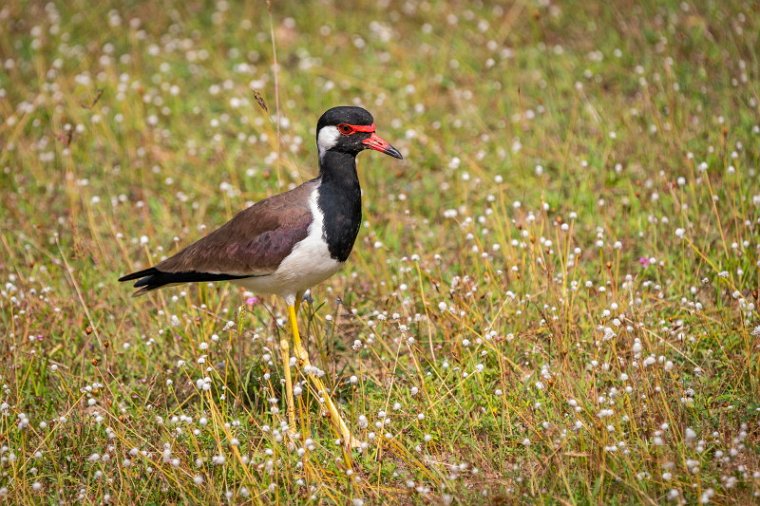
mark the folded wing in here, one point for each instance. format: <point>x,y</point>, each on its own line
<point>253,243</point>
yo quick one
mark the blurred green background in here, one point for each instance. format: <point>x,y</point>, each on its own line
<point>554,295</point>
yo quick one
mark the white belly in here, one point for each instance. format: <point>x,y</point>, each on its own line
<point>308,264</point>
<point>296,274</point>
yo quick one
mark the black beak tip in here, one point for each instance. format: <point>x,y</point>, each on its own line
<point>395,153</point>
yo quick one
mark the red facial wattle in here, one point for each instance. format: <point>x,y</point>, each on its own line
<point>374,141</point>
<point>349,129</point>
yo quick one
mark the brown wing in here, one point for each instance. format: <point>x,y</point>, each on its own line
<point>253,243</point>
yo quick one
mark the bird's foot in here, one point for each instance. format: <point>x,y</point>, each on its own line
<point>292,436</point>
<point>352,443</point>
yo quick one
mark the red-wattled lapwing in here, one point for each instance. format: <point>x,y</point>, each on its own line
<point>287,243</point>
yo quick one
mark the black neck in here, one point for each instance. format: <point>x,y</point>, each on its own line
<point>338,164</point>
<point>340,200</point>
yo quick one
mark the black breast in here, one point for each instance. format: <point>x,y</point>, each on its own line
<point>341,204</point>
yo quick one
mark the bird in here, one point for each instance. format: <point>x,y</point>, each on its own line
<point>287,243</point>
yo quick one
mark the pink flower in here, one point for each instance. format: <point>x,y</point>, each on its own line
<point>644,261</point>
<point>252,301</point>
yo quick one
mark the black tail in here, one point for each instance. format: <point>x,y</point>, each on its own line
<point>139,274</point>
<point>151,279</point>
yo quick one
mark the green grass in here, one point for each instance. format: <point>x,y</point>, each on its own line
<point>553,298</point>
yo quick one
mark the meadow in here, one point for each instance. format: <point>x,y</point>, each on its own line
<point>553,299</point>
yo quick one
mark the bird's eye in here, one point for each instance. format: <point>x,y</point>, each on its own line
<point>345,129</point>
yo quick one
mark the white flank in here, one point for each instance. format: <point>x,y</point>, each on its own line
<point>327,139</point>
<point>308,264</point>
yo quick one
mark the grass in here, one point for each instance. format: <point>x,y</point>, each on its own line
<point>553,299</point>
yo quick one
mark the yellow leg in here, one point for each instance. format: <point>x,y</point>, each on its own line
<point>303,361</point>
<point>285,352</point>
<point>299,301</point>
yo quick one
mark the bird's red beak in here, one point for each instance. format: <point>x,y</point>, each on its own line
<point>377,143</point>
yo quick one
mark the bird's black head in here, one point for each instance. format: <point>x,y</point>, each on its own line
<point>349,129</point>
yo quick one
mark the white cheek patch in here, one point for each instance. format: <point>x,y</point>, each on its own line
<point>327,139</point>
